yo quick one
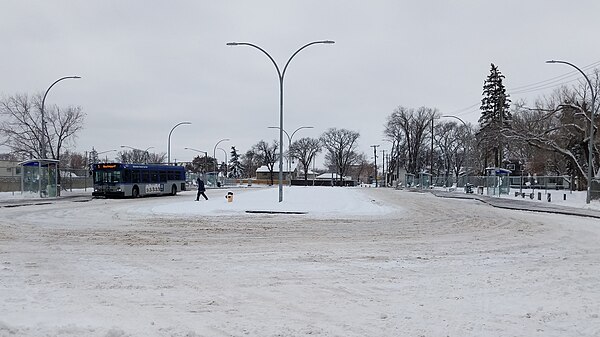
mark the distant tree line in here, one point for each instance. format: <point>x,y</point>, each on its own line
<point>549,137</point>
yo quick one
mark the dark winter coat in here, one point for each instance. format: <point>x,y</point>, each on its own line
<point>201,187</point>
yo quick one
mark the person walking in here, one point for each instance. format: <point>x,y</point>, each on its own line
<point>201,189</point>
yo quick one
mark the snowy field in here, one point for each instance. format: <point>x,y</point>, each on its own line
<point>360,262</point>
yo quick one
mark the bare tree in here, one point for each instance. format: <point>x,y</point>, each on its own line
<point>21,126</point>
<point>156,158</point>
<point>250,163</point>
<point>361,166</point>
<point>140,156</point>
<point>341,149</point>
<point>557,124</point>
<point>73,160</point>
<point>453,140</point>
<point>267,155</point>
<point>305,150</point>
<point>409,129</point>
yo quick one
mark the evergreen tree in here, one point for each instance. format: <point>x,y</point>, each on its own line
<point>236,169</point>
<point>495,117</point>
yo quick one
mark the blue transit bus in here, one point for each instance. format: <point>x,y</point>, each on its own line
<point>135,180</point>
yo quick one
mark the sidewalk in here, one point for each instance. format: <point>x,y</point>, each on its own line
<point>516,204</point>
<point>8,199</point>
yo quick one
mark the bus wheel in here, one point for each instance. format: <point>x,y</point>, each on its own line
<point>174,190</point>
<point>135,192</point>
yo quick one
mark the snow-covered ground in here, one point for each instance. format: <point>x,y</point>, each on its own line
<point>557,197</point>
<point>361,262</point>
<point>314,201</point>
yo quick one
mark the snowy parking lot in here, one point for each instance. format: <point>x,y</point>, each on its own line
<point>358,262</point>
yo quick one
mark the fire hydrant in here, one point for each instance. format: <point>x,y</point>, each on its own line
<point>229,196</point>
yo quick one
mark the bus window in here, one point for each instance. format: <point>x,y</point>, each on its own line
<point>135,176</point>
<point>115,176</point>
<point>154,176</point>
<point>103,177</point>
<point>99,177</point>
<point>127,176</point>
<point>145,176</point>
<point>163,177</point>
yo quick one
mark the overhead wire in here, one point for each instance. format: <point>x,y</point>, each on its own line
<point>536,86</point>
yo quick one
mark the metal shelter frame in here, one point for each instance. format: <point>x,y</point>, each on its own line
<point>40,176</point>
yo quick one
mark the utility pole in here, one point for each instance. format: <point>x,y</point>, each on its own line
<point>431,172</point>
<point>383,169</point>
<point>375,155</point>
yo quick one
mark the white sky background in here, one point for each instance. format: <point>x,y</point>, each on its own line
<point>147,66</point>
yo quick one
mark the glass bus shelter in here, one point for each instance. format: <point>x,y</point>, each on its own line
<point>40,176</point>
<point>497,181</point>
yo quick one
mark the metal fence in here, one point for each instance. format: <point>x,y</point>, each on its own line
<point>514,182</point>
<point>75,179</point>
<point>70,179</point>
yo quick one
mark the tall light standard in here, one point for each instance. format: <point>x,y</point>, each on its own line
<point>215,156</point>
<point>281,75</point>
<point>169,142</point>
<point>591,141</point>
<point>107,151</point>
<point>43,136</point>
<point>205,155</point>
<point>290,141</point>
<point>145,152</point>
<point>226,166</point>
<point>468,145</point>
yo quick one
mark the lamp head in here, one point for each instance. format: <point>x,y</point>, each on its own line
<point>232,43</point>
<point>329,42</point>
<point>551,61</point>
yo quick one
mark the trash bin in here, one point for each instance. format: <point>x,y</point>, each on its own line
<point>229,196</point>
<point>468,188</point>
<point>479,189</point>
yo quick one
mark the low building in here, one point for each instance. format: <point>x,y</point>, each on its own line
<point>9,168</point>
<point>10,176</point>
<point>332,176</point>
<point>309,176</point>
<point>263,173</point>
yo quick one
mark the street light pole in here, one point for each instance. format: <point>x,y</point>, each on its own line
<point>146,154</point>
<point>205,156</point>
<point>591,141</point>
<point>290,142</point>
<point>226,168</point>
<point>43,136</point>
<point>215,156</point>
<point>169,142</point>
<point>468,145</point>
<point>281,75</point>
<point>107,151</point>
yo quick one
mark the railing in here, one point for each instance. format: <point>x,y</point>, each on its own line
<point>514,182</point>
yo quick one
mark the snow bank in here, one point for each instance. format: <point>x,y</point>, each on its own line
<point>310,200</point>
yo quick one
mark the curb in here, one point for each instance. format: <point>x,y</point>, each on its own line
<point>521,205</point>
<point>11,203</point>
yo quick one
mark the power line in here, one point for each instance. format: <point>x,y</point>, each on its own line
<point>536,86</point>
<point>556,78</point>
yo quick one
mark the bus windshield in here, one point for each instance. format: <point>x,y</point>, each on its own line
<point>107,177</point>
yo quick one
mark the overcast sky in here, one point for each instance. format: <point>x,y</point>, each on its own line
<point>148,65</point>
